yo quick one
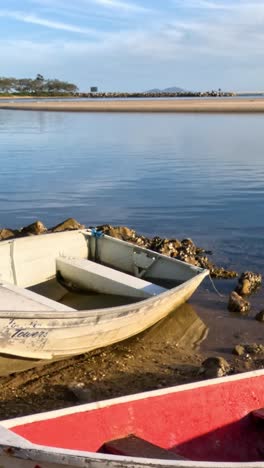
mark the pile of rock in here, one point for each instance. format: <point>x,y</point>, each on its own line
<point>38,227</point>
<point>248,283</point>
<point>247,349</point>
<point>184,250</point>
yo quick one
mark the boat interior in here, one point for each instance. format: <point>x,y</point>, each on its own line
<point>79,271</point>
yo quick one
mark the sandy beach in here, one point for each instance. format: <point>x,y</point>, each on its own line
<point>181,105</point>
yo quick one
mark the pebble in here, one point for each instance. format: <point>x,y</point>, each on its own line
<point>260,316</point>
<point>214,367</point>
<point>239,350</point>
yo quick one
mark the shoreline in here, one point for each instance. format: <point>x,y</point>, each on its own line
<point>144,106</point>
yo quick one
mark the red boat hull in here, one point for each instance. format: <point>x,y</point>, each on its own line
<point>209,421</point>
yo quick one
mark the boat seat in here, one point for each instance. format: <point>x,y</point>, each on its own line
<point>14,298</point>
<point>91,276</point>
<point>133,446</point>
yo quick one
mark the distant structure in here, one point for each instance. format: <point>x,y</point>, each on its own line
<point>93,89</point>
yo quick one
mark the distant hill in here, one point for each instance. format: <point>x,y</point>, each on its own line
<point>173,89</point>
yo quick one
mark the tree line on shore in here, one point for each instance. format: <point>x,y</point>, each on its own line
<point>38,86</point>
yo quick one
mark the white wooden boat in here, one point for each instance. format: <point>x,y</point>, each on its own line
<point>35,323</point>
<point>217,423</point>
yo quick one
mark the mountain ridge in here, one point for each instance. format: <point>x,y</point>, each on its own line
<point>172,89</point>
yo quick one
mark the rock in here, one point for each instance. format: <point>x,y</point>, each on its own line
<point>169,247</point>
<point>219,272</point>
<point>248,282</point>
<point>184,250</point>
<point>141,241</point>
<point>69,224</point>
<point>254,348</point>
<point>118,232</point>
<point>191,261</point>
<point>204,262</point>
<point>7,234</point>
<point>123,233</point>
<point>188,243</point>
<point>239,350</point>
<point>189,247</point>
<point>214,367</point>
<point>260,316</point>
<point>33,229</point>
<point>82,393</point>
<point>187,259</point>
<point>175,243</point>
<point>238,304</point>
<point>157,243</point>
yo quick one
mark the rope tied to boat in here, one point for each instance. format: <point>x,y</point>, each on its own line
<point>214,286</point>
<point>96,234</point>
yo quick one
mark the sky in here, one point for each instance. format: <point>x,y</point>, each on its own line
<point>136,45</point>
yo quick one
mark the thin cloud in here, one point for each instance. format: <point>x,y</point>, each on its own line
<point>120,5</point>
<point>212,5</point>
<point>34,19</point>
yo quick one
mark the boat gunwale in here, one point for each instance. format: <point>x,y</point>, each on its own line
<point>76,458</point>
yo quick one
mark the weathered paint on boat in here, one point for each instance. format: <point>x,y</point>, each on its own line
<point>48,335</point>
<point>209,423</point>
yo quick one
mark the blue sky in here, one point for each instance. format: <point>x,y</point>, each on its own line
<point>134,45</point>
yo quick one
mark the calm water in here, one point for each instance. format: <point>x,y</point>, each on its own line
<point>199,176</point>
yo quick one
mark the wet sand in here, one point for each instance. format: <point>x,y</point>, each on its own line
<point>212,105</point>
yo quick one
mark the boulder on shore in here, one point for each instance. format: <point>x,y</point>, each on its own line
<point>239,350</point>
<point>33,229</point>
<point>6,234</point>
<point>248,349</point>
<point>118,232</point>
<point>69,224</point>
<point>248,283</point>
<point>214,367</point>
<point>238,304</point>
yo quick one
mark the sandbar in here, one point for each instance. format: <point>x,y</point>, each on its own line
<point>219,105</point>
